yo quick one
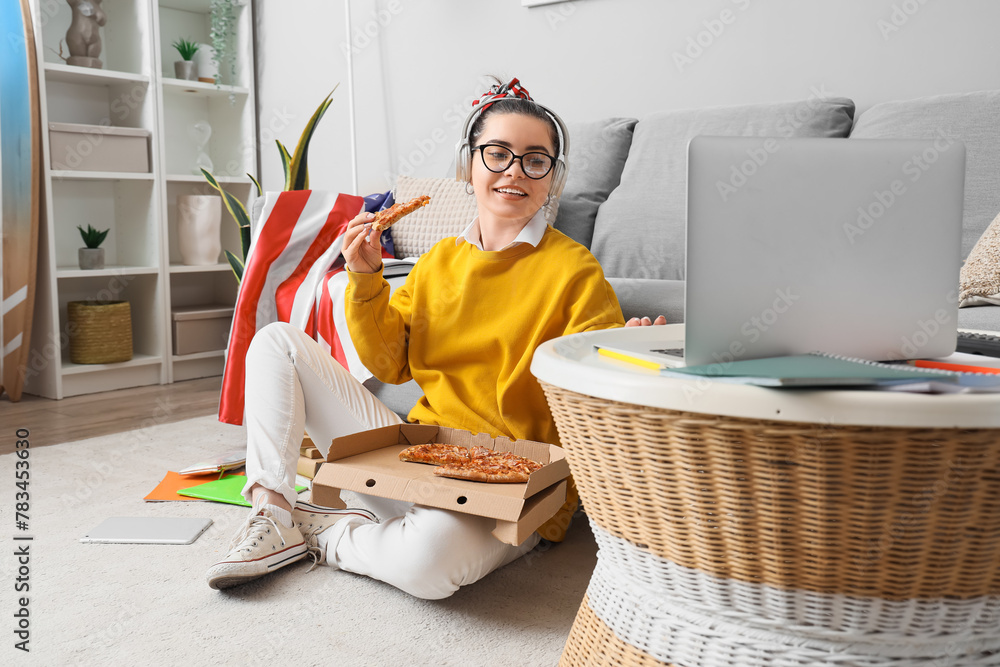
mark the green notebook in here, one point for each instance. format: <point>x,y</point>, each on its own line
<point>815,370</point>
<point>226,489</point>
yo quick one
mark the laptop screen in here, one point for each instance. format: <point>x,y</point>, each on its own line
<point>843,246</point>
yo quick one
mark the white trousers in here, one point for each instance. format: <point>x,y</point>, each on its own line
<point>294,386</point>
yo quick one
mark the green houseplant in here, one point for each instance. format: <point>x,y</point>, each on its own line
<point>91,256</point>
<point>296,178</point>
<point>185,67</point>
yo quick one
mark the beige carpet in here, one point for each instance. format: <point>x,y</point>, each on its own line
<point>94,604</point>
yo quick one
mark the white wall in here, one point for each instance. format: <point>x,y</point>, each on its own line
<point>419,63</point>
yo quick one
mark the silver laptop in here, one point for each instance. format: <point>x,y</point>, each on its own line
<point>844,246</point>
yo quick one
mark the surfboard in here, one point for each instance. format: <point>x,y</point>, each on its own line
<point>20,191</point>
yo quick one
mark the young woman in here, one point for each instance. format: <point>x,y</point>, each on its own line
<point>464,326</point>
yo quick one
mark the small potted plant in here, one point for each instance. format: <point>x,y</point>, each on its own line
<point>92,256</point>
<point>185,68</point>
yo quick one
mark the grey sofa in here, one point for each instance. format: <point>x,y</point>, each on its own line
<point>621,169</point>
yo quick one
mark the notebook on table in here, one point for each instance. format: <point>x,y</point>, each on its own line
<point>848,247</point>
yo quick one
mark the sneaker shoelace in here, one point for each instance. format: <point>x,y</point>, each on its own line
<point>253,529</point>
<point>316,552</point>
<point>310,532</point>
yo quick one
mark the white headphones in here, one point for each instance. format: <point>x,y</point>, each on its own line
<point>463,152</point>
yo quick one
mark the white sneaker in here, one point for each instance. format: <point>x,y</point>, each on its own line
<point>260,546</point>
<point>311,520</point>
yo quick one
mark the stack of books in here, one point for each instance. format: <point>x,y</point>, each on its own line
<point>959,373</point>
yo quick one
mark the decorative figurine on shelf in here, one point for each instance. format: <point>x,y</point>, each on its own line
<point>83,37</point>
<point>200,132</point>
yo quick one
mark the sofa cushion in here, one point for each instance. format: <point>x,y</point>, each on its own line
<point>597,156</point>
<point>400,398</point>
<point>650,298</point>
<point>979,318</point>
<point>980,277</point>
<point>639,232</point>
<point>974,118</point>
<point>450,211</point>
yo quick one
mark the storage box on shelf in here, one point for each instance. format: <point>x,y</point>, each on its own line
<point>193,288</point>
<point>201,328</point>
<point>88,180</point>
<point>82,147</point>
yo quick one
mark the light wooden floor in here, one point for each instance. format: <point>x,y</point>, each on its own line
<point>53,422</point>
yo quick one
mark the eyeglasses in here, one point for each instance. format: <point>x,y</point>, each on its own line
<point>498,159</point>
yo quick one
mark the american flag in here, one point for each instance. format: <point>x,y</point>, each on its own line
<point>294,252</point>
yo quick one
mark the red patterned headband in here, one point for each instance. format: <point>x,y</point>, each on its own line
<point>502,91</point>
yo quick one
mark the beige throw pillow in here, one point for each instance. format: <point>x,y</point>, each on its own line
<point>450,211</point>
<point>980,275</point>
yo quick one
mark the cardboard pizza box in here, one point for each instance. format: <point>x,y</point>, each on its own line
<point>368,462</point>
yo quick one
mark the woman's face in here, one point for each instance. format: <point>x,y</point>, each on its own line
<point>511,195</point>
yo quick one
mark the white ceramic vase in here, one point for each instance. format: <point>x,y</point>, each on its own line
<point>199,221</point>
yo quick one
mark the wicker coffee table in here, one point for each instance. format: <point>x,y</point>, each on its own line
<point>738,525</point>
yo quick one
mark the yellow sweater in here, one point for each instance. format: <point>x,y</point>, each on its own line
<point>465,325</point>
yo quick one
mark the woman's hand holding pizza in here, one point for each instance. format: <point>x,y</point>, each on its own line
<point>362,247</point>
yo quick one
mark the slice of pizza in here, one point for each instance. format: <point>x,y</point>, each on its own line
<point>390,216</point>
<point>435,454</point>
<point>495,468</point>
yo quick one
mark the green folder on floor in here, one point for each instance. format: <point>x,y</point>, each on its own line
<point>226,489</point>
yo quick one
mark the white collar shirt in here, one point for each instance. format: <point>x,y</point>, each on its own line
<point>531,233</point>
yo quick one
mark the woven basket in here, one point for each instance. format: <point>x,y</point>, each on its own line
<point>100,332</point>
<point>593,643</point>
<point>845,530</point>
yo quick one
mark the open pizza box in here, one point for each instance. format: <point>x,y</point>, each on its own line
<point>368,462</point>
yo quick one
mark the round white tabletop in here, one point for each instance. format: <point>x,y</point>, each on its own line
<point>571,363</point>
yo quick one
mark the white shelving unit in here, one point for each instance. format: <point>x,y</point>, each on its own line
<point>136,88</point>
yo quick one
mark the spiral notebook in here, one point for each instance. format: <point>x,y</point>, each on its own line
<point>823,370</point>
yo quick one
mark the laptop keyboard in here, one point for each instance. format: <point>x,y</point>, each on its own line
<point>979,342</point>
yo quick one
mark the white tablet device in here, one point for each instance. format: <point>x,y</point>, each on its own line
<point>147,530</point>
